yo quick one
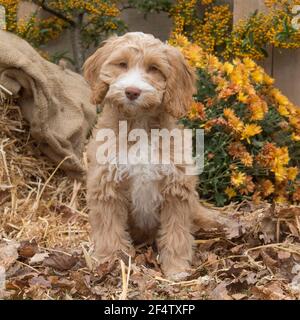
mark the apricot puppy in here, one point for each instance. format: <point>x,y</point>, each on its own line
<point>148,84</point>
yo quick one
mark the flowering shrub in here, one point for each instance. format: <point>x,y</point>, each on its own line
<point>39,31</point>
<point>89,23</point>
<point>211,27</point>
<point>252,131</point>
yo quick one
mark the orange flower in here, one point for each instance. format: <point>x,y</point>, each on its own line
<point>296,195</point>
<point>238,151</point>
<point>248,187</point>
<point>214,122</point>
<point>235,123</point>
<point>256,197</point>
<point>258,108</point>
<point>267,187</point>
<point>197,111</point>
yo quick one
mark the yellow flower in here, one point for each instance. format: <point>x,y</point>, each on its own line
<point>281,199</point>
<point>194,55</point>
<point>295,137</point>
<point>237,78</point>
<point>249,63</point>
<point>180,41</point>
<point>279,97</point>
<point>258,76</point>
<point>206,2</point>
<point>258,109</point>
<point>250,130</point>
<point>238,179</point>
<point>280,173</point>
<point>282,109</point>
<point>292,173</point>
<point>242,97</point>
<point>268,80</point>
<point>281,156</point>
<point>228,67</point>
<point>230,192</point>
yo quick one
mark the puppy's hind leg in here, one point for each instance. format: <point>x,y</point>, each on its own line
<point>208,219</point>
<point>175,241</point>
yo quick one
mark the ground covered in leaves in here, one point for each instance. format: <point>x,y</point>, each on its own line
<point>46,252</point>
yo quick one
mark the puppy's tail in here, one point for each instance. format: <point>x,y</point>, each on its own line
<point>209,219</point>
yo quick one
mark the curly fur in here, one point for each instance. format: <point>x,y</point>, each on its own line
<point>140,203</point>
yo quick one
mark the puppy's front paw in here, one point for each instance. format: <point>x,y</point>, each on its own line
<point>105,256</point>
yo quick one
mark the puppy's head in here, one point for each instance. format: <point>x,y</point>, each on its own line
<point>140,74</point>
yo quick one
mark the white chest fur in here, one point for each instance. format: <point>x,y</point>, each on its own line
<point>145,193</point>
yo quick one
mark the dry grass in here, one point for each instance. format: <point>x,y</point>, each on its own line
<point>46,251</point>
<point>35,197</point>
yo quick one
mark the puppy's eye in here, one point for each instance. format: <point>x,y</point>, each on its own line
<point>153,69</point>
<point>123,65</point>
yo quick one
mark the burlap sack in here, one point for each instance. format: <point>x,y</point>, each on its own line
<point>54,101</point>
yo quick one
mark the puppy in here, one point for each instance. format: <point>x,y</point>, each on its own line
<point>138,79</point>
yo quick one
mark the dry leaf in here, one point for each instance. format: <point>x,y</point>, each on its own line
<point>60,261</point>
<point>220,292</point>
<point>38,258</point>
<point>268,229</point>
<point>239,296</point>
<point>283,255</point>
<point>28,249</point>
<point>40,281</point>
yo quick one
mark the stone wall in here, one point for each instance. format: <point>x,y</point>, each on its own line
<point>283,65</point>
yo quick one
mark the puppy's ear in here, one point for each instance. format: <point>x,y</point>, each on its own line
<point>92,68</point>
<point>181,84</point>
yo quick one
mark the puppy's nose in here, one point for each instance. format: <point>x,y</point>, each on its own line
<point>132,93</point>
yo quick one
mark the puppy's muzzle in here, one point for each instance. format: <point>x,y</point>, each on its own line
<point>132,93</point>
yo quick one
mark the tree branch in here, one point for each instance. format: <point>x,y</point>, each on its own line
<point>125,7</point>
<point>59,15</point>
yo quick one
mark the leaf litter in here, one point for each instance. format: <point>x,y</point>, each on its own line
<point>46,251</point>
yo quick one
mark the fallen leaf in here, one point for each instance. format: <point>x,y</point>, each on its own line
<point>296,269</point>
<point>268,230</point>
<point>60,282</point>
<point>151,259</point>
<point>60,261</point>
<point>283,255</point>
<point>28,249</point>
<point>239,296</point>
<point>268,260</point>
<point>38,258</point>
<point>220,292</point>
<point>289,213</point>
<point>251,278</point>
<point>40,281</point>
<point>272,291</point>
